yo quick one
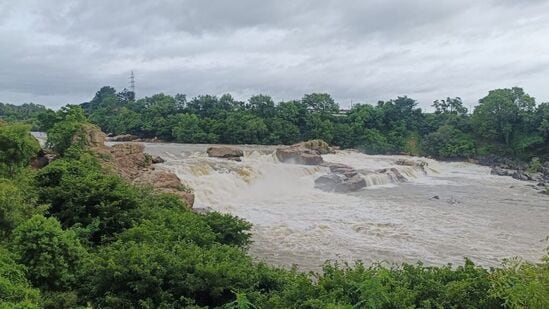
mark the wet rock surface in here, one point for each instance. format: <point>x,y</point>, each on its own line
<point>342,178</point>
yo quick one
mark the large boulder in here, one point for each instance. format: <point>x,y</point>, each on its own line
<point>307,153</point>
<point>224,152</point>
<point>342,178</point>
<point>339,183</point>
<point>299,155</point>
<point>328,182</point>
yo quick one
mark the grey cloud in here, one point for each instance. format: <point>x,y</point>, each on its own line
<point>58,52</point>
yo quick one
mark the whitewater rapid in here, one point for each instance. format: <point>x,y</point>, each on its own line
<point>440,215</point>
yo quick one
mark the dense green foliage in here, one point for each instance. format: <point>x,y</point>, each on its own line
<point>74,235</point>
<point>506,122</point>
<point>28,112</point>
<point>17,147</point>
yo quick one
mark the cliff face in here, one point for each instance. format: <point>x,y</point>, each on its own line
<point>130,162</point>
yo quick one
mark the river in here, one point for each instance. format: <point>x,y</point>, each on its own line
<point>450,211</point>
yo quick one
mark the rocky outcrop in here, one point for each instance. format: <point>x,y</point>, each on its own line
<point>133,164</point>
<point>230,153</point>
<point>518,170</point>
<point>123,138</point>
<point>92,136</point>
<point>342,178</point>
<point>167,182</point>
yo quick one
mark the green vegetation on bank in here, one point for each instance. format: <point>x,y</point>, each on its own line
<point>74,235</point>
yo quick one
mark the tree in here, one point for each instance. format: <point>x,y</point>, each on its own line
<point>450,106</point>
<point>448,142</point>
<point>498,115</point>
<point>82,196</point>
<point>70,124</point>
<point>262,106</point>
<point>17,147</point>
<point>17,204</point>
<point>15,290</point>
<point>54,256</point>
<point>320,102</point>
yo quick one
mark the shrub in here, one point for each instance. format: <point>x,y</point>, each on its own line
<point>54,256</point>
<point>17,147</point>
<point>228,229</point>
<point>15,290</point>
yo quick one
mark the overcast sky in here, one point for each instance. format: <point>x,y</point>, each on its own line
<point>58,52</point>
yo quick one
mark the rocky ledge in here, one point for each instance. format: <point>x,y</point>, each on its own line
<point>517,170</point>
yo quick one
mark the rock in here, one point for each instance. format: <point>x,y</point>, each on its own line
<point>128,159</point>
<point>328,182</point>
<point>157,160</point>
<point>224,152</point>
<point>124,138</point>
<point>351,184</point>
<point>307,153</point>
<point>166,181</point>
<point>496,170</point>
<point>339,183</point>
<point>393,173</point>
<point>521,175</point>
<point>43,158</point>
<point>299,155</point>
<point>92,136</point>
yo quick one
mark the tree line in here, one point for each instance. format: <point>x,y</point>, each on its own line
<point>506,122</point>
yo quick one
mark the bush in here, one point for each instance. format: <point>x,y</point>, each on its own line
<point>54,256</point>
<point>130,274</point>
<point>15,290</point>
<point>82,196</point>
<point>448,143</point>
<point>228,229</point>
<point>17,147</point>
<point>521,284</point>
<point>15,206</point>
